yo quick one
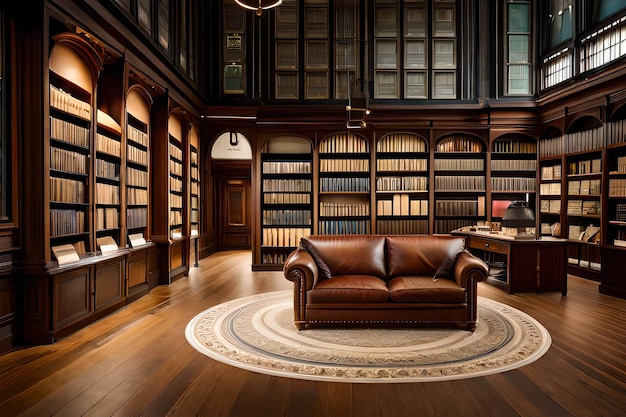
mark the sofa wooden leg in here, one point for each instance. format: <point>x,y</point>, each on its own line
<point>469,326</point>
<point>300,325</point>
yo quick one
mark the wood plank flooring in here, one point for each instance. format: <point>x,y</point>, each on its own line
<point>136,362</point>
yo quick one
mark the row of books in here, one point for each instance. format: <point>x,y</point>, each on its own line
<point>583,207</point>
<point>402,165</point>
<point>137,136</point>
<point>402,227</point>
<point>66,222</point>
<point>616,132</point>
<point>69,132</point>
<point>108,145</point>
<point>176,152</point>
<point>106,169</point>
<point>344,184</point>
<point>584,187</point>
<point>617,187</point>
<point>107,218</point>
<point>66,190</point>
<point>514,165</point>
<point>344,209</point>
<point>137,196</point>
<point>401,142</point>
<point>68,161</point>
<point>136,177</point>
<point>448,225</point>
<point>459,164</point>
<point>550,206</point>
<point>286,217</point>
<point>344,227</point>
<point>620,212</point>
<point>401,184</point>
<point>590,233</point>
<point>458,208</point>
<point>459,144</point>
<point>107,193</point>
<point>552,172</point>
<point>514,146</point>
<point>137,217</point>
<point>457,182</point>
<point>586,140</point>
<point>176,168</point>
<point>136,155</point>
<point>176,184</point>
<point>63,101</point>
<point>287,167</point>
<point>176,218</point>
<point>402,205</point>
<point>283,236</point>
<point>551,147</point>
<point>344,165</point>
<point>286,198</point>
<point>344,143</point>
<point>550,188</point>
<point>176,201</point>
<point>590,166</point>
<point>513,184</point>
<point>195,187</point>
<point>621,164</point>
<point>274,258</point>
<point>274,185</point>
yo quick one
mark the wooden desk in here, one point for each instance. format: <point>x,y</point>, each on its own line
<point>521,265</point>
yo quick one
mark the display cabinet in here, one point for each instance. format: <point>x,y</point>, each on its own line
<point>286,197</point>
<point>550,196</point>
<point>583,210</point>
<point>513,173</point>
<point>344,185</point>
<point>402,184</point>
<point>70,164</point>
<point>459,183</point>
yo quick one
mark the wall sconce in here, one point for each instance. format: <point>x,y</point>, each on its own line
<point>260,5</point>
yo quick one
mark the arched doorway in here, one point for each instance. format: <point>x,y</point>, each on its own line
<point>231,167</point>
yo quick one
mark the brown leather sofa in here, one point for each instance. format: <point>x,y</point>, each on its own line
<point>391,281</point>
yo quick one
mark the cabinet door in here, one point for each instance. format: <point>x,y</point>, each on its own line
<point>109,283</point>
<point>71,297</point>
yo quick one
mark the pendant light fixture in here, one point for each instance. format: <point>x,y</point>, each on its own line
<point>258,5</point>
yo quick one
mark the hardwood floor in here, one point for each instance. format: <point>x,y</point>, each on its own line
<point>137,362</point>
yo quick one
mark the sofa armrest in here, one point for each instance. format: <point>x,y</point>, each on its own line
<point>467,267</point>
<point>300,268</point>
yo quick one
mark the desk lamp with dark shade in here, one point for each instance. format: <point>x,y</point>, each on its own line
<point>519,215</point>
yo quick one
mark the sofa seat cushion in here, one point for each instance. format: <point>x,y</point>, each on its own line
<point>349,289</point>
<point>411,289</point>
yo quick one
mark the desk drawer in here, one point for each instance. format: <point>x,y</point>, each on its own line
<point>488,245</point>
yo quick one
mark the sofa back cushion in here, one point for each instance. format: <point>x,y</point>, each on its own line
<point>420,255</point>
<point>351,254</point>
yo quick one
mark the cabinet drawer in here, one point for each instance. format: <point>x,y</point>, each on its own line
<point>489,245</point>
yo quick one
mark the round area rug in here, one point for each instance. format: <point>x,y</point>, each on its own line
<point>257,333</point>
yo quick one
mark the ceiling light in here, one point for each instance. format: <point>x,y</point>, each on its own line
<point>258,6</point>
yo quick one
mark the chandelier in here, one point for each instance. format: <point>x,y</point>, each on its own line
<point>258,5</point>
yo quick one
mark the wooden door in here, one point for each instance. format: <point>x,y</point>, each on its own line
<point>235,217</point>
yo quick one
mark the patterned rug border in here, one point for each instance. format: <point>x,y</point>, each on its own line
<point>224,352</point>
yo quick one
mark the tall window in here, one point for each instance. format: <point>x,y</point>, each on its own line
<point>560,22</point>
<point>316,51</point>
<point>286,49</point>
<point>518,48</point>
<point>187,32</point>
<point>163,24</point>
<point>415,49</point>
<point>346,47</point>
